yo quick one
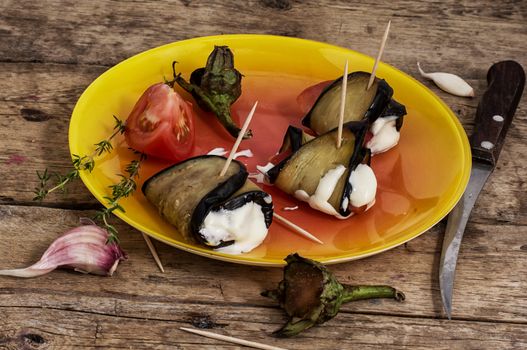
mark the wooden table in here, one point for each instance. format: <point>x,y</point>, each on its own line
<point>49,53</point>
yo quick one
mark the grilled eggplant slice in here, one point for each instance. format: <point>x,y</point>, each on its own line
<point>324,176</point>
<point>397,110</point>
<point>361,103</point>
<point>294,138</point>
<point>228,213</point>
<point>385,130</point>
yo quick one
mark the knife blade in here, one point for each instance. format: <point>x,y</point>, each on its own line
<point>506,80</point>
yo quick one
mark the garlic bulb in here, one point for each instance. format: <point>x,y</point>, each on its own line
<point>450,83</point>
<point>84,249</point>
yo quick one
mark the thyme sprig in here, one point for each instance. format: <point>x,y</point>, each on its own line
<point>126,186</point>
<point>80,163</point>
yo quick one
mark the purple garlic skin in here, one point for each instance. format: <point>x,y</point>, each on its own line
<point>83,249</point>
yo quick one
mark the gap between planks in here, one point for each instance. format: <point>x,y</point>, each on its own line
<point>239,305</point>
<point>60,63</point>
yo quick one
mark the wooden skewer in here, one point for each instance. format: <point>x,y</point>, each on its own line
<point>238,140</point>
<point>231,339</point>
<point>297,229</point>
<point>153,251</point>
<point>381,50</point>
<point>342,104</point>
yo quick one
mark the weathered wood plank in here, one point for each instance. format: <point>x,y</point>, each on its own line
<point>34,127</point>
<point>489,284</point>
<point>35,328</point>
<point>50,56</point>
<point>106,32</point>
<point>38,100</point>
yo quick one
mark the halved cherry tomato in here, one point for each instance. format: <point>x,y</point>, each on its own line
<point>161,124</point>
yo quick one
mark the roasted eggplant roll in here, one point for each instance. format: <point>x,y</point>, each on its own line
<point>375,105</point>
<point>294,138</point>
<point>229,214</point>
<point>336,181</point>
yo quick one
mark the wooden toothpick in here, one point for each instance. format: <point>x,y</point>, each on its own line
<point>381,50</point>
<point>342,104</point>
<point>297,229</point>
<point>153,251</point>
<point>238,140</point>
<point>231,339</point>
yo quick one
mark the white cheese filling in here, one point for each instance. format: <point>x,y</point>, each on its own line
<point>244,225</point>
<point>262,177</point>
<point>325,188</point>
<point>221,152</point>
<point>385,135</point>
<point>364,188</point>
<point>259,177</point>
<point>265,168</point>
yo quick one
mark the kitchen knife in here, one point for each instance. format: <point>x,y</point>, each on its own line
<point>494,115</point>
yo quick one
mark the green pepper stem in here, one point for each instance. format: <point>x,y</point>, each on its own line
<point>352,293</point>
<point>223,113</point>
<point>225,119</point>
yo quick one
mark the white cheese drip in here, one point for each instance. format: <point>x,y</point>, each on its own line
<point>265,168</point>
<point>385,135</point>
<point>325,188</point>
<point>245,225</point>
<point>364,186</point>
<point>290,208</point>
<point>245,153</point>
<point>259,177</point>
<point>263,177</point>
<point>221,152</point>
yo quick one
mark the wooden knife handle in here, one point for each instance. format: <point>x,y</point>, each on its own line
<point>496,109</point>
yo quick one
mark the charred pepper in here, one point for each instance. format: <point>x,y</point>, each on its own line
<point>310,294</point>
<point>216,87</point>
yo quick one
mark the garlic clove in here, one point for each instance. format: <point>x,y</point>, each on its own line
<point>448,82</point>
<point>83,249</point>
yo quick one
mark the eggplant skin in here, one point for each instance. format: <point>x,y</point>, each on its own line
<point>380,102</point>
<point>274,172</point>
<point>395,109</point>
<point>303,169</point>
<point>248,192</point>
<point>186,191</point>
<point>294,138</point>
<point>361,103</point>
<point>251,192</point>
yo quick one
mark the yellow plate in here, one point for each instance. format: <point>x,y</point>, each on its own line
<point>420,180</point>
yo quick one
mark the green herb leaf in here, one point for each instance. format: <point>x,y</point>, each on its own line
<point>126,186</point>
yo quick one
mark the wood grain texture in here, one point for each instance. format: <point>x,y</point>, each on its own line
<point>43,328</point>
<point>37,101</point>
<point>51,50</point>
<point>106,32</point>
<point>489,286</point>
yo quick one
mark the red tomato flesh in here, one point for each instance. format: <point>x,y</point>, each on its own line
<point>161,124</point>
